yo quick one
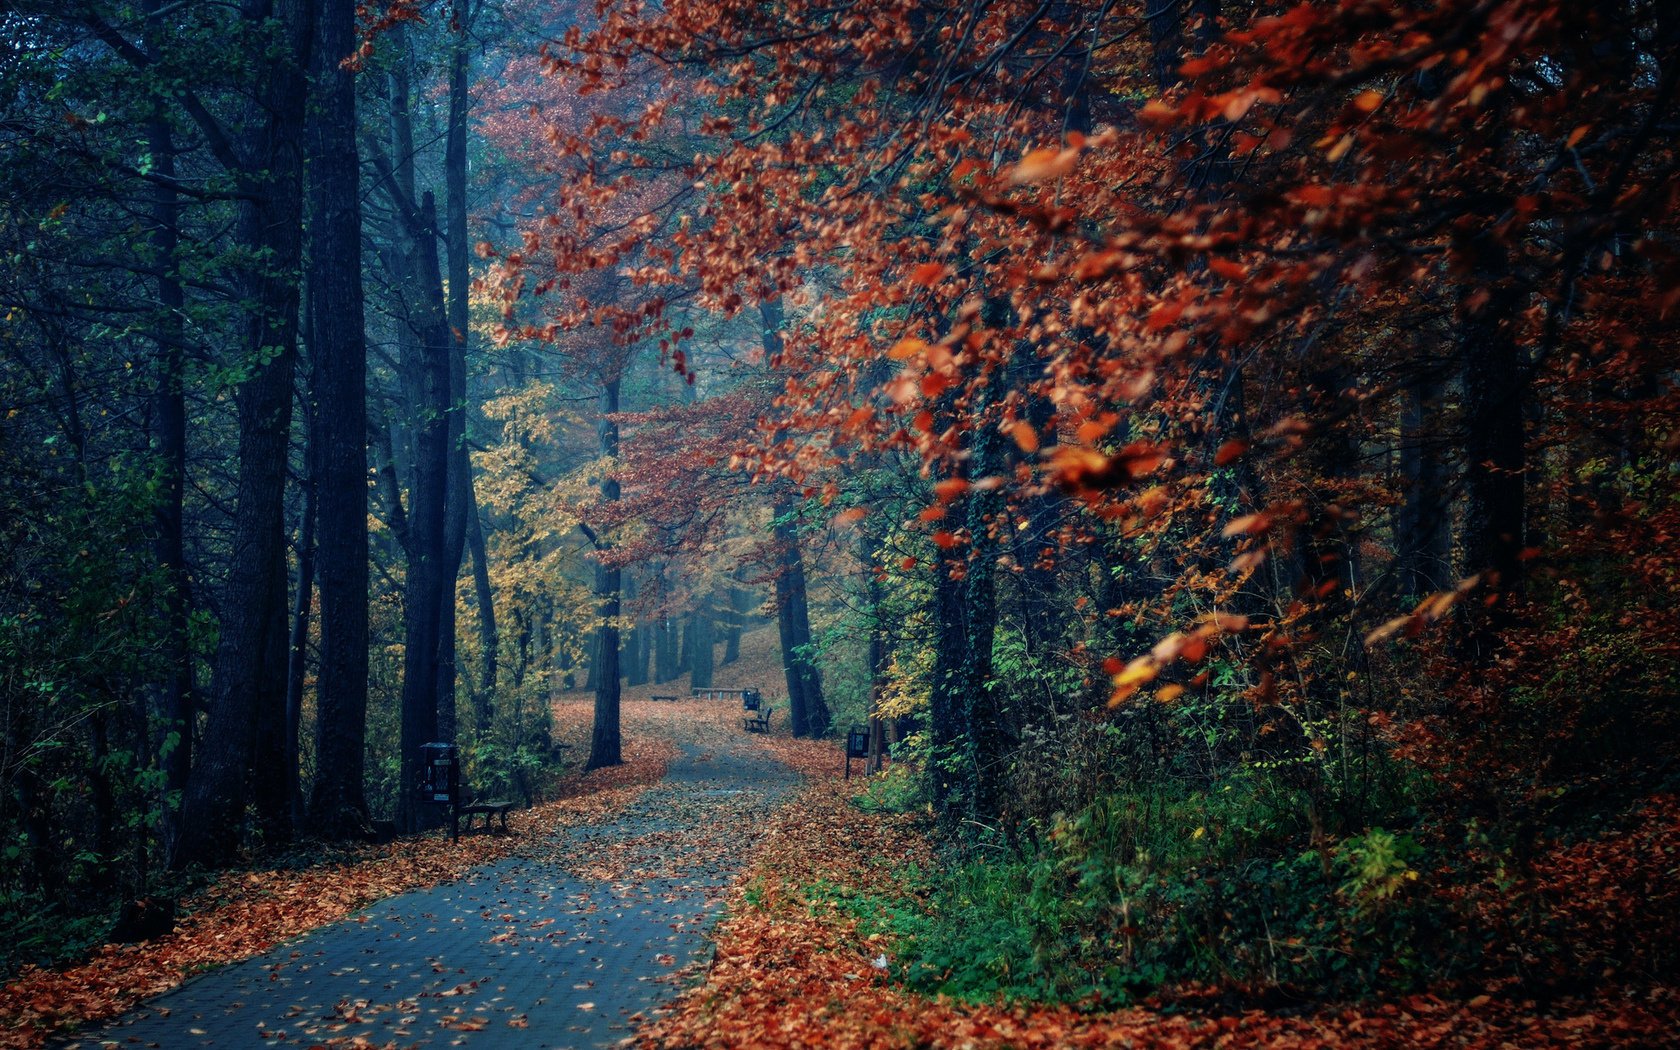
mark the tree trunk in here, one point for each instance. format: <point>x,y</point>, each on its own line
<point>1495,453</point>
<point>665,656</point>
<point>169,445</point>
<point>244,682</point>
<point>459,501</point>
<point>700,651</point>
<point>806,710</point>
<point>635,649</point>
<point>297,656</point>
<point>604,742</point>
<point>738,599</point>
<point>338,351</point>
<point>488,638</point>
<point>1422,541</point>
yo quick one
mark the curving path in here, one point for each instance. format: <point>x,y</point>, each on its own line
<point>564,946</point>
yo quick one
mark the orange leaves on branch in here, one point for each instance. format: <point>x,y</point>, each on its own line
<point>1080,469</point>
<point>1026,438</point>
<point>1186,646</point>
<point>950,489</point>
<point>1041,164</point>
<point>907,348</point>
<point>850,515</point>
<point>1428,611</point>
<point>928,274</point>
<point>1229,452</point>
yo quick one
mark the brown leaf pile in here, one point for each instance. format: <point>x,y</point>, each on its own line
<point>787,977</point>
<point>246,913</point>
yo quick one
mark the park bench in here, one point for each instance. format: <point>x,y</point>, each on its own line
<point>665,697</point>
<point>718,694</point>
<point>758,723</point>
<point>486,810</point>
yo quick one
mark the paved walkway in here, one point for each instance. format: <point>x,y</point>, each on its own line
<point>562,947</point>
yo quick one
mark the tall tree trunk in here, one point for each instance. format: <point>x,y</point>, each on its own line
<point>338,805</point>
<point>245,681</point>
<point>428,576</point>
<point>665,657</point>
<point>169,445</point>
<point>1495,453</point>
<point>604,743</point>
<point>700,651</point>
<point>1422,539</point>
<point>807,712</point>
<point>635,649</point>
<point>738,599</point>
<point>459,504</point>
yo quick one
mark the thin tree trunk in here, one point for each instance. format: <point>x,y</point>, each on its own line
<point>604,744</point>
<point>806,710</point>
<point>298,650</point>
<point>488,638</point>
<point>700,651</point>
<point>338,352</point>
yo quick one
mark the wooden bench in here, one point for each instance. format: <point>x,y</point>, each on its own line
<point>717,694</point>
<point>759,723</point>
<point>665,697</point>
<point>487,810</point>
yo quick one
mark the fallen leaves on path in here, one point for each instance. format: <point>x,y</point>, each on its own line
<point>246,913</point>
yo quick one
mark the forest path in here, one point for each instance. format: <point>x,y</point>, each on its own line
<point>560,946</point>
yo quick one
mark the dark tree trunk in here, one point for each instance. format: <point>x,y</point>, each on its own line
<point>459,502</point>
<point>635,648</point>
<point>738,599</point>
<point>169,445</point>
<point>1422,539</point>
<point>338,805</point>
<point>1495,390</point>
<point>245,681</point>
<point>806,710</point>
<point>427,364</point>
<point>666,663</point>
<point>604,743</point>
<point>700,648</point>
